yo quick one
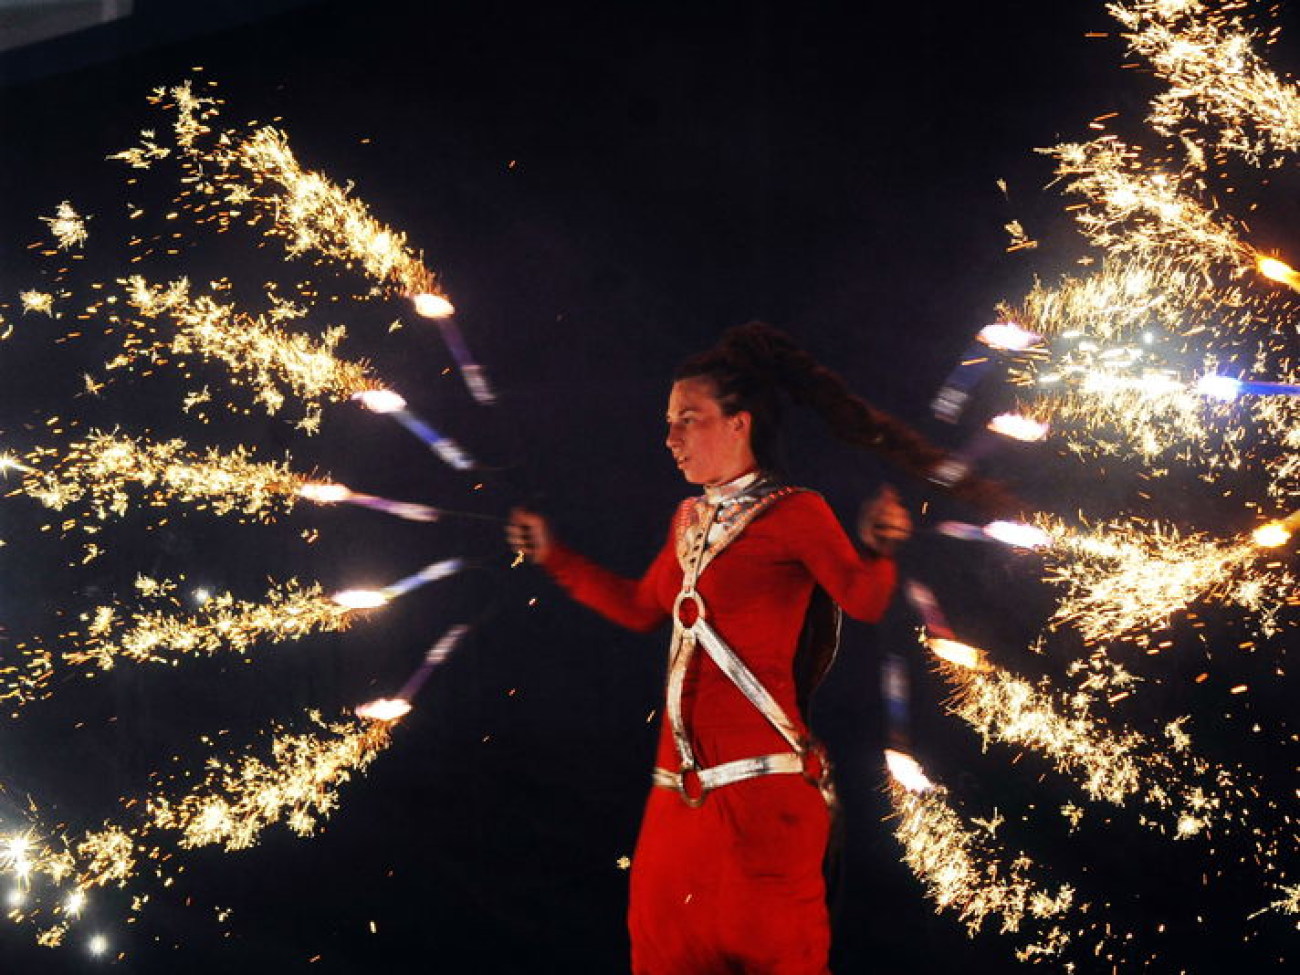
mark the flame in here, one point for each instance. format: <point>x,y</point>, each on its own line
<point>1018,427</point>
<point>1278,271</point>
<point>360,599</point>
<point>430,305</point>
<point>1018,534</point>
<point>380,400</point>
<point>384,709</point>
<point>907,771</point>
<point>324,492</point>
<point>1273,534</point>
<point>958,654</point>
<point>1008,337</point>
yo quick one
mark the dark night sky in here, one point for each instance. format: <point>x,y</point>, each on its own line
<point>602,189</point>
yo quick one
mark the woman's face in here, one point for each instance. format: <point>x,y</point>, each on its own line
<point>708,446</point>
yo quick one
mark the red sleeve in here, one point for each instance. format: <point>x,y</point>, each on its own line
<point>861,583</point>
<point>628,602</point>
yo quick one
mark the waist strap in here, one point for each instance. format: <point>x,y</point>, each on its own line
<point>694,784</point>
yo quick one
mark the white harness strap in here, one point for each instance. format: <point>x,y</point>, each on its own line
<point>690,781</point>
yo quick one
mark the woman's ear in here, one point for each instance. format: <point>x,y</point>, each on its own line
<point>742,421</point>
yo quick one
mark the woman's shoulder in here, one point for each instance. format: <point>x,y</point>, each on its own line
<point>801,502</point>
<point>797,495</point>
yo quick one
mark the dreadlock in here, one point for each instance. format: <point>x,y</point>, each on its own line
<point>753,365</point>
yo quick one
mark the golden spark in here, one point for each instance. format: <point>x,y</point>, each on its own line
<point>1217,80</point>
<point>67,226</point>
<point>963,872</point>
<point>39,302</point>
<point>314,214</point>
<point>1131,578</point>
<point>259,354</point>
<point>298,784</point>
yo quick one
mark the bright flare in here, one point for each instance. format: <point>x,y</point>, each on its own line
<point>1274,534</point>
<point>1008,337</point>
<point>429,305</point>
<point>324,493</point>
<point>907,771</point>
<point>958,654</point>
<point>1276,270</point>
<point>384,709</point>
<point>1018,534</point>
<point>360,599</point>
<point>1018,427</point>
<point>1223,388</point>
<point>380,400</point>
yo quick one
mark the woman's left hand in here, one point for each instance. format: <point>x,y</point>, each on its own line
<point>883,523</point>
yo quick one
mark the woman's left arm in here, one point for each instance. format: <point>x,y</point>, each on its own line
<point>862,582</point>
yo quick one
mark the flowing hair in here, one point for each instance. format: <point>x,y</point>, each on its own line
<point>753,367</point>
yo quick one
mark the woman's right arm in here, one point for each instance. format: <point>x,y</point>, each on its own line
<point>631,603</point>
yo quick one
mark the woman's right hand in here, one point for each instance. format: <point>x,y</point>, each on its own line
<point>883,523</point>
<point>529,534</point>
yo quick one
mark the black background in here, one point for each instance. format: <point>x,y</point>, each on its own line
<point>602,189</point>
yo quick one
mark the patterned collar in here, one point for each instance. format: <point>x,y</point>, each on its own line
<point>733,491</point>
<point>722,513</point>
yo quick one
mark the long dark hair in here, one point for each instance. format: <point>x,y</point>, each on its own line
<point>754,367</point>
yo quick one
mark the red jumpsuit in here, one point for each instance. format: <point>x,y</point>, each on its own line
<point>736,885</point>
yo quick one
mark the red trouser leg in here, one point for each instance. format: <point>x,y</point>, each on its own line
<point>734,886</point>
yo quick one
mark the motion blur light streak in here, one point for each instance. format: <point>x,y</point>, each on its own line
<point>1133,374</point>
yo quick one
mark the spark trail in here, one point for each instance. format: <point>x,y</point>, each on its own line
<point>289,611</point>
<point>1130,579</point>
<point>107,472</point>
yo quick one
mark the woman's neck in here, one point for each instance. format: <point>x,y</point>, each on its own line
<point>721,490</point>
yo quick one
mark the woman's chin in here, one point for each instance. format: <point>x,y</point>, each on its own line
<point>690,476</point>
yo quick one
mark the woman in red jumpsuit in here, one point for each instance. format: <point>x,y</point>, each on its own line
<point>727,871</point>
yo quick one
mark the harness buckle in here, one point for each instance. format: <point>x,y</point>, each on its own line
<point>693,797</point>
<point>817,770</point>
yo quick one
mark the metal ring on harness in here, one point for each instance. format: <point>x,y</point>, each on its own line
<point>694,597</point>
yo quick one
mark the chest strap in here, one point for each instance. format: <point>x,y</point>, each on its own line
<point>690,781</point>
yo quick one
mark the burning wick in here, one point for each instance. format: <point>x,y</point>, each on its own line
<point>1000,337</point>
<point>374,598</point>
<point>1023,428</point>
<point>1008,337</point>
<point>958,654</point>
<point>1278,271</point>
<point>384,709</point>
<point>906,771</point>
<point>389,403</point>
<point>1228,389</point>
<point>1012,426</point>
<point>429,305</point>
<point>1017,534</point>
<point>326,493</point>
<point>360,599</point>
<point>381,400</point>
<point>1275,534</point>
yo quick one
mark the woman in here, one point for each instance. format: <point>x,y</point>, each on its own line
<point>727,872</point>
